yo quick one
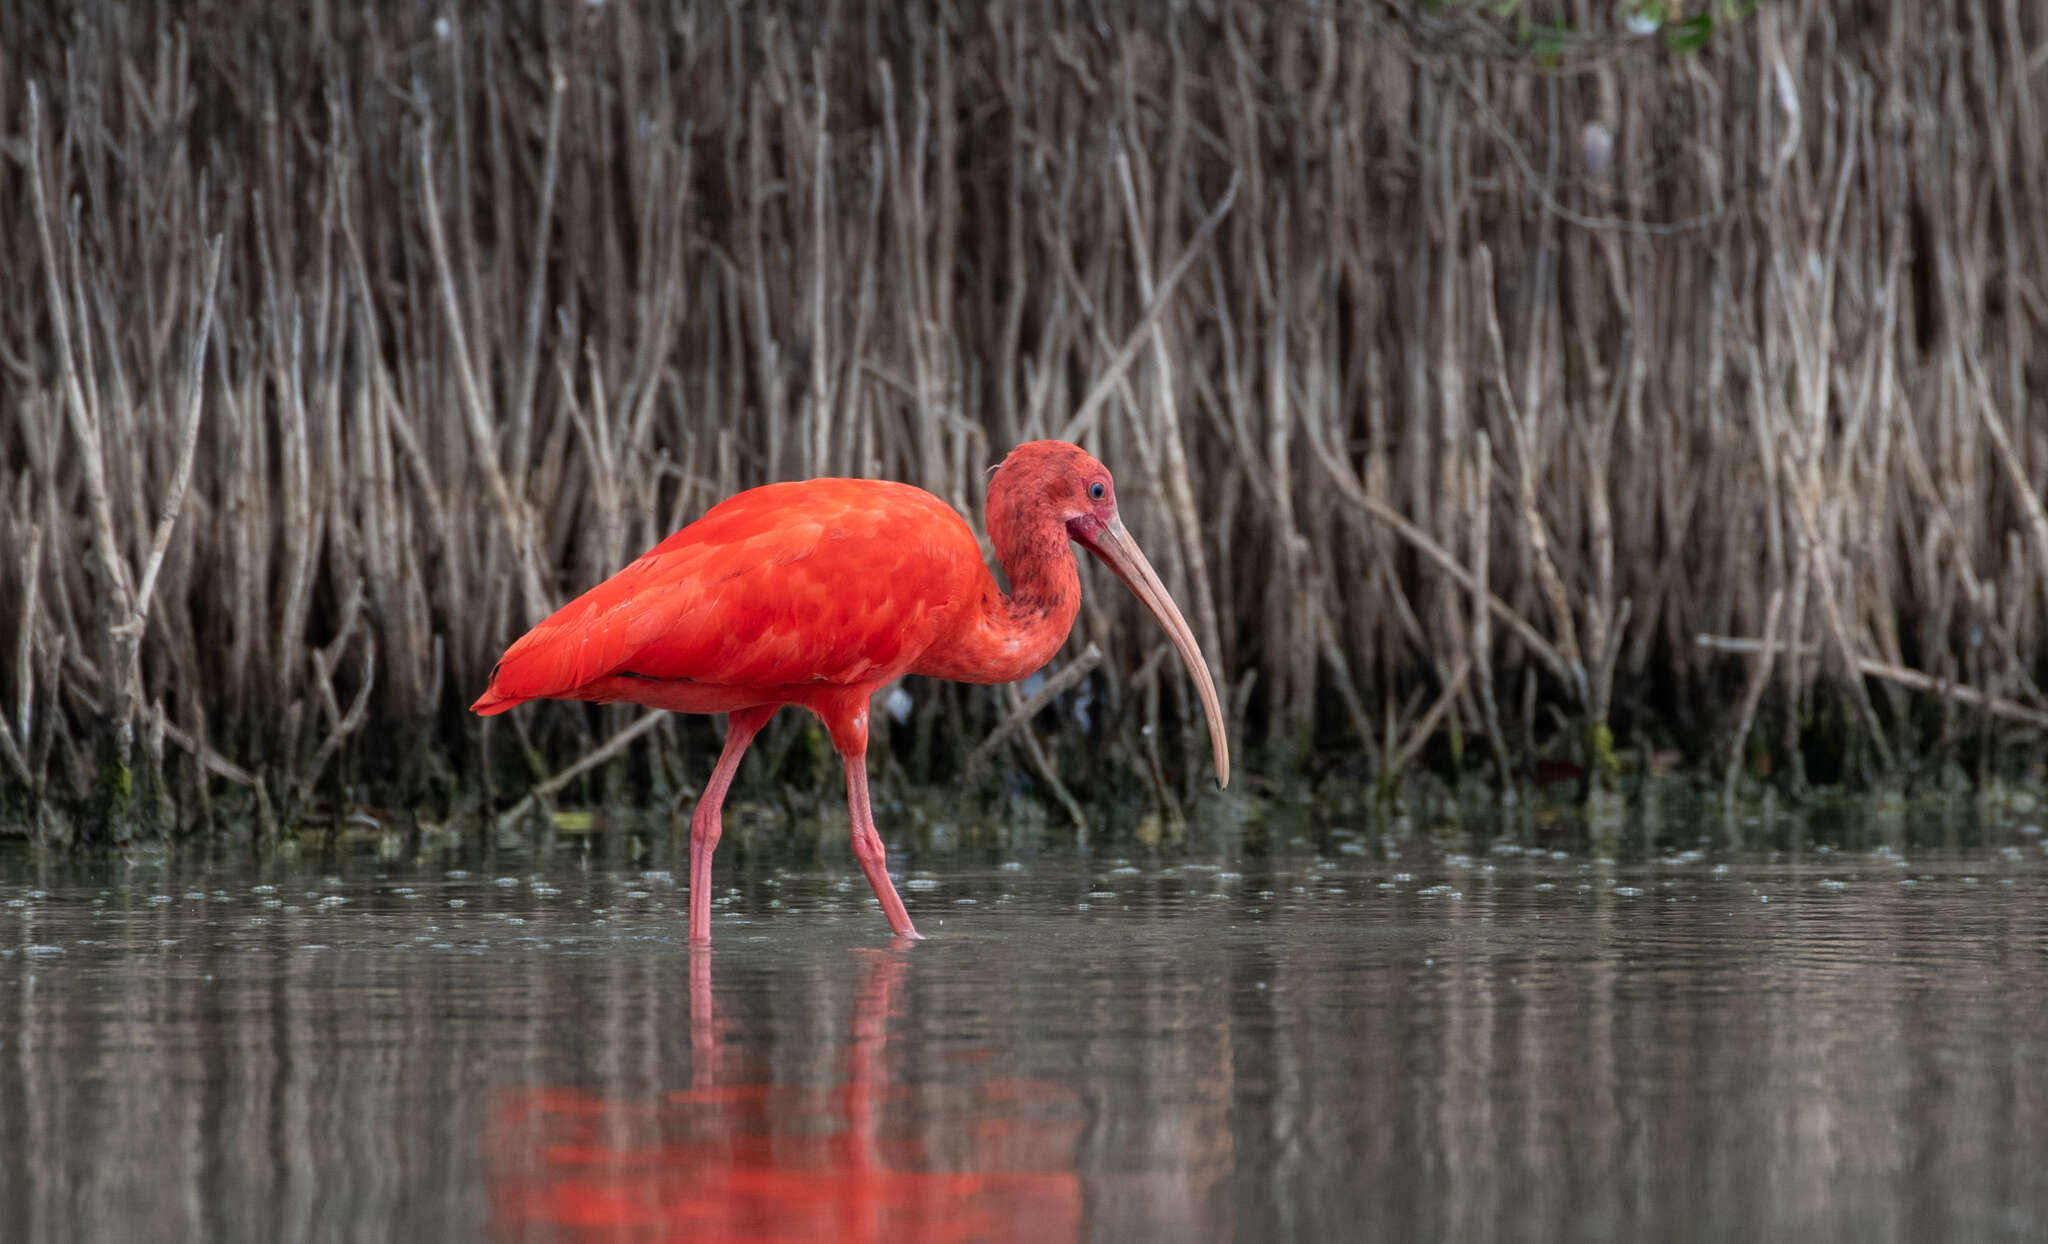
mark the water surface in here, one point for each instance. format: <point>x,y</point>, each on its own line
<point>1328,1037</point>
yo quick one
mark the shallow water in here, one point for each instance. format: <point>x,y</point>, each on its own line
<point>1336,1038</point>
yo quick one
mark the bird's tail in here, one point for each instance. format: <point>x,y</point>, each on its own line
<point>493,701</point>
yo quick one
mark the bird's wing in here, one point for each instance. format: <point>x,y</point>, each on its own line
<point>827,581</point>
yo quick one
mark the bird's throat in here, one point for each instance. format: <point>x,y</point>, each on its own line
<point>1011,635</point>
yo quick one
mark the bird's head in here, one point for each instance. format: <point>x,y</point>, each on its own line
<point>1052,479</point>
<point>1045,482</point>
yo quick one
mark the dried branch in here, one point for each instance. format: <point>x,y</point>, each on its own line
<point>1021,715</point>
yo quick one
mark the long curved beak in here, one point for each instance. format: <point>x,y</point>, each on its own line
<point>1116,550</point>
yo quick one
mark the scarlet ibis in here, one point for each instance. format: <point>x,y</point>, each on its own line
<point>817,594</point>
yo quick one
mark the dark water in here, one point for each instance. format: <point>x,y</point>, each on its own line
<point>1328,1038</point>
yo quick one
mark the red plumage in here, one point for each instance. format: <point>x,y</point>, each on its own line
<point>817,594</point>
<point>836,581</point>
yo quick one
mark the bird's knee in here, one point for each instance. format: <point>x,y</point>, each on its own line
<point>704,828</point>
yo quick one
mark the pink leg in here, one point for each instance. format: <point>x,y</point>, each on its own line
<point>740,729</point>
<point>867,846</point>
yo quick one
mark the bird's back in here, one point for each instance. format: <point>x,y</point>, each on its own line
<point>838,581</point>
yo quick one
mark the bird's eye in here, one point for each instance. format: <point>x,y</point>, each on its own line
<point>1095,491</point>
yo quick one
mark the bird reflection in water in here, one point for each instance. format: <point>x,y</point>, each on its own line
<point>750,1160</point>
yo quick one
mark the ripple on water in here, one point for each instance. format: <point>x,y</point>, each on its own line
<point>1292,1044</point>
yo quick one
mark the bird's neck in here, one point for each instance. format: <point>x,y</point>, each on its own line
<point>1007,636</point>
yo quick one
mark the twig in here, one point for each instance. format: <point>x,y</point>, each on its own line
<point>1998,706</point>
<point>1427,726</point>
<point>188,440</point>
<point>1352,492</point>
<point>1083,420</point>
<point>1055,686</point>
<point>15,759</point>
<point>595,757</point>
<point>24,646</point>
<point>84,421</point>
<point>2016,474</point>
<point>1536,531</point>
<point>209,759</point>
<point>1537,185</point>
<point>509,508</point>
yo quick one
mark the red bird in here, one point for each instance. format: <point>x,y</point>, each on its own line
<point>819,593</point>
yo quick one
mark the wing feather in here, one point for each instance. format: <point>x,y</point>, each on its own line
<point>826,581</point>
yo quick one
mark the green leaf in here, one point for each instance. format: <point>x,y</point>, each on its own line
<point>1548,43</point>
<point>1690,35</point>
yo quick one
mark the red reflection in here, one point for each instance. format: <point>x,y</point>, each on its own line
<point>994,1159</point>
